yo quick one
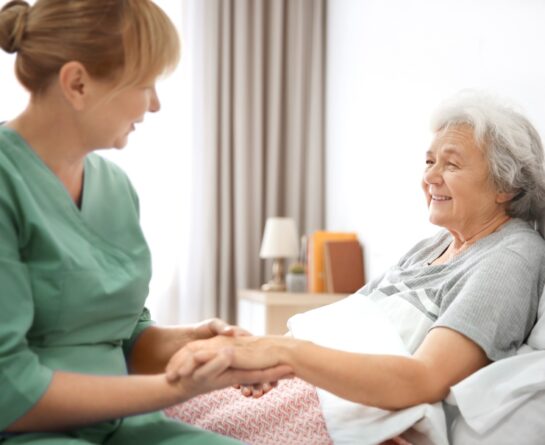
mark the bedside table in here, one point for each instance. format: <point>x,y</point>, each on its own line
<point>266,313</point>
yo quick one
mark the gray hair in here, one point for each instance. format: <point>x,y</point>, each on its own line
<point>511,143</point>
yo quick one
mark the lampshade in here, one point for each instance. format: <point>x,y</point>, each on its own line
<point>279,239</point>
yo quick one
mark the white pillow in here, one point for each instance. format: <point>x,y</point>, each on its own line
<point>357,324</point>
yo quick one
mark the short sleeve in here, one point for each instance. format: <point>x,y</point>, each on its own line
<point>23,380</point>
<point>494,304</point>
<point>144,322</point>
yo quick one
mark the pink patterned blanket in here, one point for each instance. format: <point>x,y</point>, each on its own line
<point>289,414</point>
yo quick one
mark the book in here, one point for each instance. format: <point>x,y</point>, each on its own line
<point>344,266</point>
<point>316,260</point>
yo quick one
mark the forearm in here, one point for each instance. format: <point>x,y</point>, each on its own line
<point>73,400</point>
<point>384,381</point>
<point>156,345</point>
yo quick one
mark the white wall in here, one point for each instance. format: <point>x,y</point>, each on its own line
<point>390,62</point>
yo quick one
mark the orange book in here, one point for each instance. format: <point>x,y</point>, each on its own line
<point>316,258</point>
<point>344,266</point>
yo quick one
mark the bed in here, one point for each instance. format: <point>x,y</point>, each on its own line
<point>501,404</point>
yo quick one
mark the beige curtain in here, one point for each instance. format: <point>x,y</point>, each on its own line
<point>258,97</point>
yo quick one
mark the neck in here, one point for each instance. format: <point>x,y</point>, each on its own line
<point>460,241</point>
<point>52,134</point>
<point>50,130</point>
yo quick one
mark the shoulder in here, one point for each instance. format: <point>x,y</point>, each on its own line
<point>517,243</point>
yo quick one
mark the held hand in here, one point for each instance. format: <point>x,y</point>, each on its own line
<point>188,359</point>
<point>250,353</point>
<point>214,372</point>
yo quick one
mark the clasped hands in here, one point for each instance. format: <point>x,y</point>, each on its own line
<point>225,355</point>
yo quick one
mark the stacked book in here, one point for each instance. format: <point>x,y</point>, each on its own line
<point>335,262</point>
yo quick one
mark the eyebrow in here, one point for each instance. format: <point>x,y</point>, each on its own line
<point>449,150</point>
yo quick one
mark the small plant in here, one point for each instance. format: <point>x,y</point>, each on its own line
<point>297,268</point>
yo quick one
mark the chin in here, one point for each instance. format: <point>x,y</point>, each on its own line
<point>120,144</point>
<point>436,221</point>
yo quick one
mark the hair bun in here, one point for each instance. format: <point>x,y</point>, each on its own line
<point>13,20</point>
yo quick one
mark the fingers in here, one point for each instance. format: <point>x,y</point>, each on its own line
<point>246,390</point>
<point>247,378</point>
<point>213,366</point>
<point>219,327</point>
<point>186,361</point>
<point>256,390</point>
<point>200,365</point>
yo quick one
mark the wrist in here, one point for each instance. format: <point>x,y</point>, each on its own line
<point>287,350</point>
<point>173,392</point>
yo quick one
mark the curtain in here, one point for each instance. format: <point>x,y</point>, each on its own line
<point>258,140</point>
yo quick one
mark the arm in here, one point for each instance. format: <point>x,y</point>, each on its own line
<point>155,346</point>
<point>390,382</point>
<point>73,400</point>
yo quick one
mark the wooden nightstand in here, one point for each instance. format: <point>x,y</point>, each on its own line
<point>264,313</point>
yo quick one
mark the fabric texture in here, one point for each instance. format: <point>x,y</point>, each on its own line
<point>489,292</point>
<point>258,82</point>
<point>146,429</point>
<point>289,414</point>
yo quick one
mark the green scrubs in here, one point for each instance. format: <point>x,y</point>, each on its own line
<point>73,283</point>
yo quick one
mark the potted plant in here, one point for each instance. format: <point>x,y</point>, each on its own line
<point>296,279</point>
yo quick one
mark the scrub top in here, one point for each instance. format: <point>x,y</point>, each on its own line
<point>73,281</point>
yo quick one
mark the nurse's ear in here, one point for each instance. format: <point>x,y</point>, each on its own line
<point>74,82</point>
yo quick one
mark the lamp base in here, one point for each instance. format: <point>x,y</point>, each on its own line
<point>271,286</point>
<point>277,283</point>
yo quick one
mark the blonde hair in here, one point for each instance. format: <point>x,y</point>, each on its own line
<point>125,41</point>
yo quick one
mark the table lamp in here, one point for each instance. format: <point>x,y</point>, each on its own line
<point>279,242</point>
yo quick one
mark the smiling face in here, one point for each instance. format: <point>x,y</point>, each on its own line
<point>459,190</point>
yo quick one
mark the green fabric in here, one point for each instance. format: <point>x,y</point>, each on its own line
<point>147,429</point>
<point>72,282</point>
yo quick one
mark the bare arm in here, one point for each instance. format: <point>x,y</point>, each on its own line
<point>72,400</point>
<point>390,382</point>
<point>385,381</point>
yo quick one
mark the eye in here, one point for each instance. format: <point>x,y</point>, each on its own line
<point>429,162</point>
<point>452,166</point>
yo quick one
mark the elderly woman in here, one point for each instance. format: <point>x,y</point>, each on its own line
<point>460,299</point>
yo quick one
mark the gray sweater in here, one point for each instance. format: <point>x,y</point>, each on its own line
<point>489,292</point>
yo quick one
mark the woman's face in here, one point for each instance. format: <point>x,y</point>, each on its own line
<point>460,193</point>
<point>115,115</point>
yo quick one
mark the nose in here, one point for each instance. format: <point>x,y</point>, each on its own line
<point>154,104</point>
<point>432,175</point>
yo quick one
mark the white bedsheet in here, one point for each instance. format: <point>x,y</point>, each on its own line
<point>357,324</point>
<point>502,403</point>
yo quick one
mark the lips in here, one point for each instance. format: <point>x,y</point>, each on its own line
<point>440,198</point>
